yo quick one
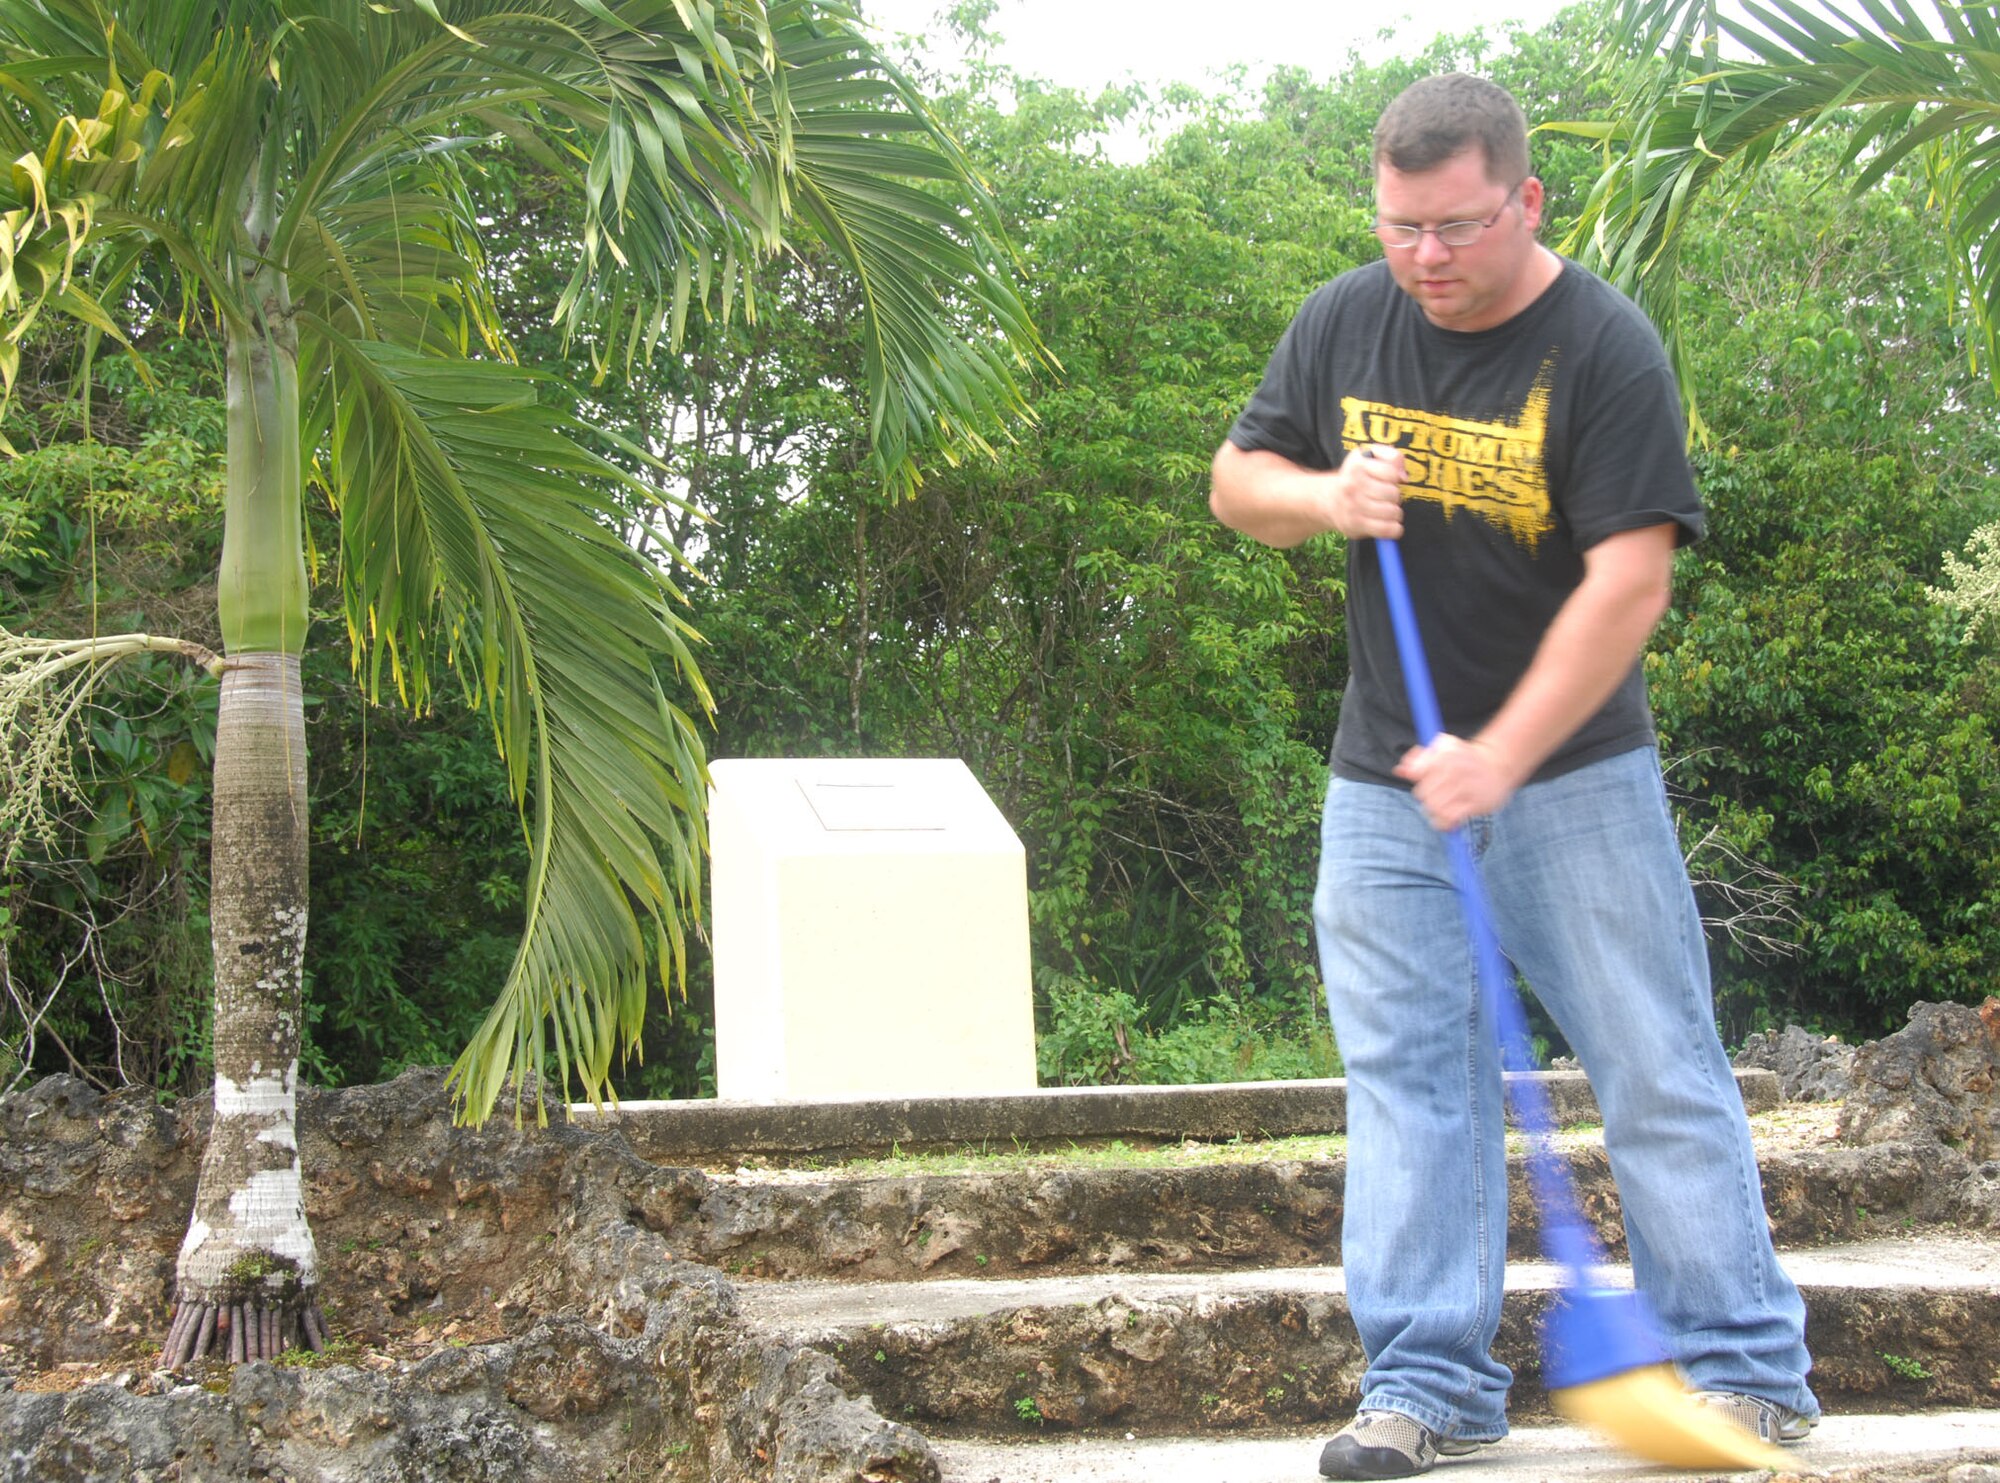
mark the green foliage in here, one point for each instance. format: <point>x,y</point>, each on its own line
<point>1833,319</point>
<point>1070,620</point>
<point>417,865</point>
<point>1834,730</point>
<point>103,925</point>
<point>1837,728</point>
<point>1718,98</point>
<point>1096,1037</point>
<point>1088,1041</point>
<point>1909,1369</point>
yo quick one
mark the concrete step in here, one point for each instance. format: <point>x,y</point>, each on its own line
<point>1893,1325</point>
<point>700,1130</point>
<point>1927,1447</point>
<point>1214,1216</point>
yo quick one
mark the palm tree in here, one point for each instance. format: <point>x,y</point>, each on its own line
<point>1715,96</point>
<point>296,173</point>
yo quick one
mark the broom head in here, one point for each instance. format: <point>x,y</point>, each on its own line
<point>1607,1371</point>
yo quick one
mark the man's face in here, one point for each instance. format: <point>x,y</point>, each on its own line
<point>1463,288</point>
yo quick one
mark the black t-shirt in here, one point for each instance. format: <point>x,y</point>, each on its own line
<point>1525,445</point>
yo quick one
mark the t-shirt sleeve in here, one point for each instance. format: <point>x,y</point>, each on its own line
<point>1284,414</point>
<point>1628,461</point>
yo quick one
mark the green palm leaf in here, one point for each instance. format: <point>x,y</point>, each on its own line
<point>1905,85</point>
<point>475,522</point>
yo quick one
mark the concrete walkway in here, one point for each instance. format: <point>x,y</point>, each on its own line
<point>1934,1444</point>
<point>1936,1263</point>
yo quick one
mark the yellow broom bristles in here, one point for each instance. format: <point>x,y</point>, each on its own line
<point>1651,1414</point>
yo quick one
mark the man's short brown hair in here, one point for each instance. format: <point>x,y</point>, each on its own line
<point>1439,117</point>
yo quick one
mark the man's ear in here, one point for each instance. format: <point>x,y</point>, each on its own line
<point>1531,201</point>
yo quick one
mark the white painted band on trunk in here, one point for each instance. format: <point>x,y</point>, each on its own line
<point>260,1096</point>
<point>267,1214</point>
<point>272,1212</point>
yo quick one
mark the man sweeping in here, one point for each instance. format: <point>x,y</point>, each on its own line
<point>1513,422</point>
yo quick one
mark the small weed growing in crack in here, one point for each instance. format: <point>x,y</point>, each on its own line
<point>1909,1369</point>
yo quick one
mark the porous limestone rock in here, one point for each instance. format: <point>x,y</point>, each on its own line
<point>1936,1079</point>
<point>1810,1068</point>
<point>566,1340</point>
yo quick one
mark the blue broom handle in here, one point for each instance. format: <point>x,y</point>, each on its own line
<point>1565,1237</point>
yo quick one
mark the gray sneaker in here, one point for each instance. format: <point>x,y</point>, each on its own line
<point>1381,1444</point>
<point>1765,1420</point>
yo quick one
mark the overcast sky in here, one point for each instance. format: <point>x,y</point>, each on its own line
<point>1088,43</point>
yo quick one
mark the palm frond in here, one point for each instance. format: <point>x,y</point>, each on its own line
<point>864,148</point>
<point>1903,86</point>
<point>644,108</point>
<point>476,525</point>
<point>396,255</point>
<point>114,150</point>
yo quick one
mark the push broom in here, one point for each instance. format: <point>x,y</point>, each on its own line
<point>1602,1359</point>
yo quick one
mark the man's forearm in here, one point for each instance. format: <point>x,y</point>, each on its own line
<point>1596,637</point>
<point>1271,499</point>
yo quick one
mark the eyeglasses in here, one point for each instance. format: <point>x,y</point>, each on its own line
<point>1451,234</point>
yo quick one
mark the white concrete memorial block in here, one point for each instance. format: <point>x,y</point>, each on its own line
<point>870,929</point>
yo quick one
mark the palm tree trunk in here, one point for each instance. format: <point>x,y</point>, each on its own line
<point>248,1273</point>
<point>248,1279</point>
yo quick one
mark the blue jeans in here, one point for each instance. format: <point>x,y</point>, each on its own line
<point>1592,905</point>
